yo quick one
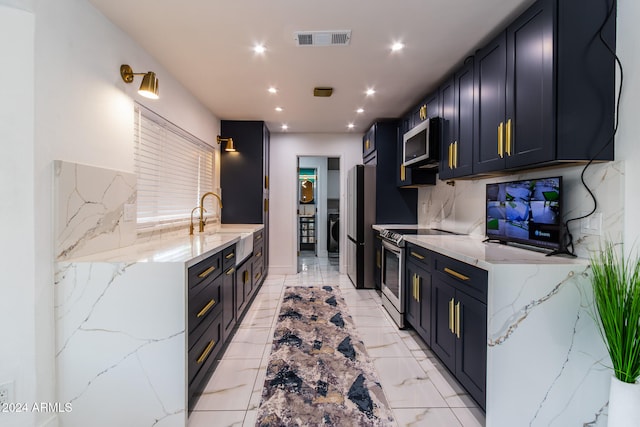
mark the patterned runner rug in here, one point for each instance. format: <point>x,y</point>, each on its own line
<point>319,373</point>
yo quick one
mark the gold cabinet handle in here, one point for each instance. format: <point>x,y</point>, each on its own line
<point>266,182</point>
<point>206,352</point>
<point>455,154</point>
<point>207,272</point>
<point>258,274</point>
<point>417,255</point>
<point>231,255</point>
<point>266,205</point>
<point>413,291</point>
<point>417,288</point>
<point>451,322</point>
<point>206,308</point>
<point>245,277</point>
<point>230,271</point>
<point>458,320</point>
<point>508,137</point>
<point>451,156</point>
<point>259,236</point>
<point>501,140</point>
<point>259,254</point>
<point>455,274</point>
<point>403,173</point>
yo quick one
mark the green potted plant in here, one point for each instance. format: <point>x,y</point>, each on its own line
<point>616,290</point>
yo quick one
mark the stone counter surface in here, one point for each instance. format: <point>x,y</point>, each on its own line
<point>546,362</point>
<point>120,330</point>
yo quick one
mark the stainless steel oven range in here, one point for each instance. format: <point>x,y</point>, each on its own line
<point>392,283</point>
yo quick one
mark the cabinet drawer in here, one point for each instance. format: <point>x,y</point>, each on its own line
<point>258,251</point>
<point>420,255</point>
<point>204,351</point>
<point>258,237</point>
<point>258,270</point>
<point>204,305</point>
<point>229,257</point>
<point>209,268</point>
<point>467,278</point>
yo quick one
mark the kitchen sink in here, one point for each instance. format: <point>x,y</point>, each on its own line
<point>244,246</point>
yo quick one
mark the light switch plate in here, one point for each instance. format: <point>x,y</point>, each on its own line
<point>592,224</point>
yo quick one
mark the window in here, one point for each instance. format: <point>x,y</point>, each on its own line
<point>174,169</point>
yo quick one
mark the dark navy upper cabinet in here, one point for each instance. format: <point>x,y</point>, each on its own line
<point>244,175</point>
<point>457,106</point>
<point>393,205</point>
<point>545,88</point>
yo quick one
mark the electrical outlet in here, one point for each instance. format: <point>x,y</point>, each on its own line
<point>592,224</point>
<point>6,393</point>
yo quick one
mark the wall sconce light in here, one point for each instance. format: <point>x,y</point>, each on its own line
<point>149,85</point>
<point>229,141</point>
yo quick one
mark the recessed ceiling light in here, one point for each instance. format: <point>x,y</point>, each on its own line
<point>285,127</point>
<point>278,109</point>
<point>360,110</point>
<point>272,90</point>
<point>351,126</point>
<point>370,91</point>
<point>397,46</point>
<point>259,48</point>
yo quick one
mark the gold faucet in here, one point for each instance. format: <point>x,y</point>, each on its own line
<point>202,221</point>
<point>191,224</point>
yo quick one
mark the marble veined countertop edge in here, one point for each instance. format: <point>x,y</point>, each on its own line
<point>474,250</point>
<point>179,248</point>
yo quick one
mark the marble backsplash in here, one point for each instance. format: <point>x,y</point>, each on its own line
<point>461,207</point>
<point>89,209</point>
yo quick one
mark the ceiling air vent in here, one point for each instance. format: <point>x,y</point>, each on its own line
<point>322,91</point>
<point>322,38</point>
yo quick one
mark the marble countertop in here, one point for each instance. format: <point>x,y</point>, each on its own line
<point>177,247</point>
<point>487,255</point>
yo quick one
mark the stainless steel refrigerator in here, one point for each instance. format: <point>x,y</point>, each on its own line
<point>361,215</point>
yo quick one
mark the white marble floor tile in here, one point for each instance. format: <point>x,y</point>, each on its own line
<point>406,385</point>
<point>421,417</point>
<point>383,342</point>
<point>250,419</point>
<point>452,392</point>
<point>369,316</point>
<point>217,418</point>
<point>248,343</point>
<point>470,417</point>
<point>230,386</point>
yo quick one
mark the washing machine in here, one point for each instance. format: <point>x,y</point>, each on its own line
<point>333,233</point>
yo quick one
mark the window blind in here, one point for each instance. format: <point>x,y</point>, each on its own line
<point>174,169</point>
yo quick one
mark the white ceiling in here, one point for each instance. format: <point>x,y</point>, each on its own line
<point>207,46</point>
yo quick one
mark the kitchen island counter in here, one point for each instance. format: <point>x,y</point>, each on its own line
<point>121,329</point>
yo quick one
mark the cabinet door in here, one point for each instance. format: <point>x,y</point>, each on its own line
<point>412,306</point>
<point>423,290</point>
<point>369,142</point>
<point>530,110</point>
<point>489,109</point>
<point>228,302</point>
<point>464,102</point>
<point>243,287</point>
<point>471,349</point>
<point>449,122</point>
<point>443,340</point>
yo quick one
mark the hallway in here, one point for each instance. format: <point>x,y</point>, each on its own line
<point>420,391</point>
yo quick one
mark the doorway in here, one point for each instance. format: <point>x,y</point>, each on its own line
<point>318,209</point>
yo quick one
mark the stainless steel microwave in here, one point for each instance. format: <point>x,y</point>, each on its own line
<point>421,145</point>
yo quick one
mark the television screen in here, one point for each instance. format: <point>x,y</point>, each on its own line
<point>527,211</point>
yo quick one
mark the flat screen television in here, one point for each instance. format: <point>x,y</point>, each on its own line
<point>528,212</point>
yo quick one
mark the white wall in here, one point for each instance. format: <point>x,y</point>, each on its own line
<point>284,152</point>
<point>627,146</point>
<point>17,214</point>
<point>65,101</point>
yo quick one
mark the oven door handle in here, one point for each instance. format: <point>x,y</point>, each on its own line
<point>391,248</point>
